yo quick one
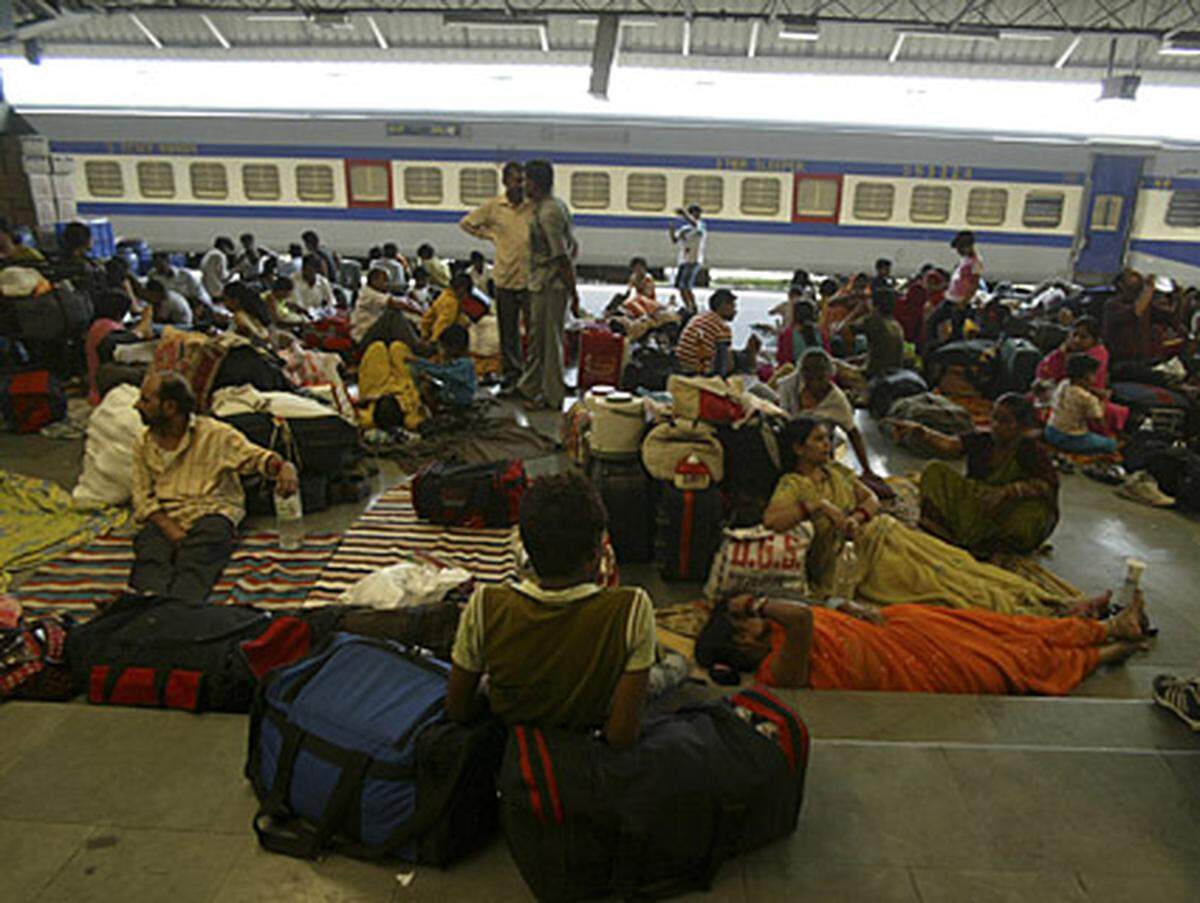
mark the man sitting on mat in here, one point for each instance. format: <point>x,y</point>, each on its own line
<point>559,649</point>
<point>186,493</point>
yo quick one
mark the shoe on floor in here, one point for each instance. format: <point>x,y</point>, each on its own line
<point>1142,487</point>
<point>1179,696</point>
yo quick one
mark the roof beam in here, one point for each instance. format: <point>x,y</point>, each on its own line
<point>25,29</point>
<point>144,29</point>
<point>216,32</point>
<point>604,54</point>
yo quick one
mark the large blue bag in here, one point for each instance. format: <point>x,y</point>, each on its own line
<point>350,749</point>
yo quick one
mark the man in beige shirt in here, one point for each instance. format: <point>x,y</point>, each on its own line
<point>186,491</point>
<point>504,221</point>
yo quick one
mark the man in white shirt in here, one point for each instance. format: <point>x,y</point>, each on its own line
<point>214,267</point>
<point>250,261</point>
<point>178,279</point>
<point>691,238</point>
<point>378,316</point>
<point>395,265</point>
<point>170,308</point>
<point>313,291</point>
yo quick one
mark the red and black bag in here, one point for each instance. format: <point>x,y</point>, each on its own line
<point>33,660</point>
<point>330,334</point>
<point>701,786</point>
<point>472,495</point>
<point>32,400</point>
<point>150,651</point>
<point>690,530</point>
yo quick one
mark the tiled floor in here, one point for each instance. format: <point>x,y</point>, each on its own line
<point>909,798</point>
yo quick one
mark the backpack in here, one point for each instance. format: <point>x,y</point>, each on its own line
<point>470,495</point>
<point>32,400</point>
<point>152,651</point>
<point>350,750</point>
<point>885,390</point>
<point>33,659</point>
<point>702,785</point>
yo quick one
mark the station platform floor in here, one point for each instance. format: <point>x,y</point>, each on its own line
<point>1095,796</point>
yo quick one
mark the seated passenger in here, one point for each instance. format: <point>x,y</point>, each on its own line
<point>885,336</point>
<point>641,291</point>
<point>215,271</point>
<point>1008,500</point>
<point>330,263</point>
<point>883,274</point>
<point>801,336</point>
<point>13,251</point>
<point>439,273</point>
<point>451,384</point>
<point>911,306</point>
<point>178,280</point>
<point>75,261</point>
<point>281,303</point>
<point>915,648</point>
<point>810,391</point>
<point>843,310</point>
<point>703,348</point>
<point>1084,338</point>
<point>252,317</point>
<point>898,564</point>
<point>396,266</point>
<point>251,260</point>
<point>186,492</point>
<point>313,292</point>
<point>1076,409</point>
<point>559,649</point>
<point>168,308</point>
<point>111,310</point>
<point>446,310</point>
<point>378,316</point>
<point>481,273</point>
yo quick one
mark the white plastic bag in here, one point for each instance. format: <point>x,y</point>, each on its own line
<point>112,430</point>
<point>405,584</point>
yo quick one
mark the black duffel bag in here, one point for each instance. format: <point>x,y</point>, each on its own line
<point>470,495</point>
<point>885,390</point>
<point>705,784</point>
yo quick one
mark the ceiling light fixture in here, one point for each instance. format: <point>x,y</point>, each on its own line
<point>1181,43</point>
<point>799,28</point>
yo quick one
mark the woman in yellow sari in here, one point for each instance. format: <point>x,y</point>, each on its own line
<point>898,564</point>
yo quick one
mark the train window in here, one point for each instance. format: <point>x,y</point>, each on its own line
<point>314,182</point>
<point>816,197</point>
<point>590,190</point>
<point>987,206</point>
<point>209,181</point>
<point>156,179</point>
<point>1106,212</point>
<point>706,191</point>
<point>874,200</point>
<point>929,204</point>
<point>1183,210</point>
<point>477,184</point>
<point>1043,209</point>
<point>422,185</point>
<point>103,178</point>
<point>368,183</point>
<point>260,181</point>
<point>760,196</point>
<point>646,191</point>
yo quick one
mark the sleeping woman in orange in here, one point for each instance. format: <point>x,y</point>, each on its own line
<point>914,648</point>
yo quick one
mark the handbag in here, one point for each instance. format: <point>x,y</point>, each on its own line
<point>669,443</point>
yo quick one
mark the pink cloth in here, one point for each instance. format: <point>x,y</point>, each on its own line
<point>97,333</point>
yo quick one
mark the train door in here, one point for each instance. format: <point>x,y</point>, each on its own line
<point>1108,217</point>
<point>369,183</point>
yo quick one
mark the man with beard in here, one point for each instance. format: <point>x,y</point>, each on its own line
<point>504,221</point>
<point>186,492</point>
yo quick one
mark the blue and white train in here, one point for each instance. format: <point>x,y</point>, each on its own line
<point>774,197</point>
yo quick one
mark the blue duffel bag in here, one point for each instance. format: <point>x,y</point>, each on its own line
<point>351,750</point>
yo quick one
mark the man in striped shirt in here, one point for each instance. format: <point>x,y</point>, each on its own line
<point>186,492</point>
<point>704,344</point>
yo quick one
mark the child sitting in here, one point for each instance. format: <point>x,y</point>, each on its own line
<point>1076,407</point>
<point>451,384</point>
<point>560,650</point>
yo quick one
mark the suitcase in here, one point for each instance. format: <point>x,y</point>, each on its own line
<point>886,390</point>
<point>701,786</point>
<point>1019,359</point>
<point>601,357</point>
<point>350,750</point>
<point>753,468</point>
<point>627,492</point>
<point>245,365</point>
<point>32,400</point>
<point>325,445</point>
<point>689,532</point>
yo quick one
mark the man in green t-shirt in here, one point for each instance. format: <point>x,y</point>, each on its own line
<point>559,649</point>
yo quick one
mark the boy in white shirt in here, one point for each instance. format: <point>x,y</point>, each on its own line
<point>1076,407</point>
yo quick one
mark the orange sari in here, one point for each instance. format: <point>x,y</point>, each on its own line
<point>926,649</point>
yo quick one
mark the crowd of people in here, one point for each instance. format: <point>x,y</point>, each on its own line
<point>932,611</point>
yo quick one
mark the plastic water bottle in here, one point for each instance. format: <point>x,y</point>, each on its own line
<point>847,573</point>
<point>1133,578</point>
<point>289,520</point>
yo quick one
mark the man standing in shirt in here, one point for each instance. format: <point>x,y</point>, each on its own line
<point>691,238</point>
<point>559,649</point>
<point>504,221</point>
<point>704,344</point>
<point>214,267</point>
<point>552,287</point>
<point>186,492</point>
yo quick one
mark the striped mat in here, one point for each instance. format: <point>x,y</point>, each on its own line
<point>390,528</point>
<point>260,573</point>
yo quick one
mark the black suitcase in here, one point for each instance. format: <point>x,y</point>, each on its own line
<point>326,445</point>
<point>628,495</point>
<point>583,820</point>
<point>886,390</point>
<point>690,525</point>
<point>754,468</point>
<point>246,365</point>
<point>1019,359</point>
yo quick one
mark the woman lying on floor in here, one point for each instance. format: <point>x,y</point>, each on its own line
<point>913,648</point>
<point>1008,500</point>
<point>899,564</point>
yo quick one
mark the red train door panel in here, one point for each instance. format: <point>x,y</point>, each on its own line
<point>816,197</point>
<point>369,183</point>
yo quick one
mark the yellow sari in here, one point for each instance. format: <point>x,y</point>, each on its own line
<point>903,565</point>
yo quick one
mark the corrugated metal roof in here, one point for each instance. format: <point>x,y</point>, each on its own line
<point>268,29</point>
